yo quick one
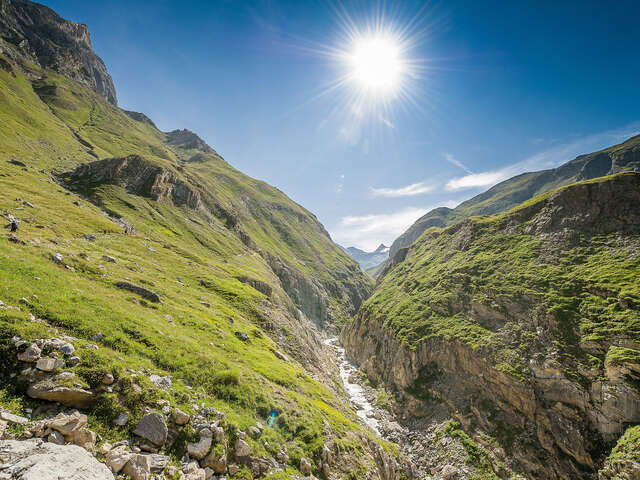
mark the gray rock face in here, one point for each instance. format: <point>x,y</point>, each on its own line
<point>38,34</point>
<point>37,460</point>
<point>31,354</point>
<point>153,428</point>
<point>199,449</point>
<point>242,450</point>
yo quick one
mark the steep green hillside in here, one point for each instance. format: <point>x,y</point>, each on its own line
<point>526,323</point>
<point>508,194</point>
<point>238,278</point>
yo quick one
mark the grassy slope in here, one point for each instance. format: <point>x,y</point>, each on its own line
<point>173,250</point>
<point>590,289</point>
<point>518,189</point>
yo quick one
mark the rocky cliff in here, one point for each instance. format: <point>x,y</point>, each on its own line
<point>524,326</point>
<point>32,32</point>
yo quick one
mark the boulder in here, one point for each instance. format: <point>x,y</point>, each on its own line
<point>218,434</point>
<point>161,382</point>
<point>109,258</point>
<point>138,467</point>
<point>254,432</point>
<point>179,417</point>
<point>199,449</point>
<point>68,424</point>
<point>242,336</point>
<point>67,349</point>
<point>31,354</point>
<point>216,461</point>
<point>242,450</point>
<point>153,427</point>
<point>448,472</point>
<point>48,364</point>
<point>11,418</point>
<point>118,457</point>
<point>38,460</point>
<point>73,361</point>
<point>56,257</point>
<point>143,292</point>
<point>158,462</point>
<point>48,389</point>
<point>84,438</point>
<point>55,437</point>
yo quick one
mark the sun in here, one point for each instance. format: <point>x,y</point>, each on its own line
<point>376,64</point>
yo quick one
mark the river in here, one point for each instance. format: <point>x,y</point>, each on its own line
<point>363,407</point>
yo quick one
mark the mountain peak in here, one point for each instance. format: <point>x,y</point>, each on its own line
<point>34,33</point>
<point>188,140</point>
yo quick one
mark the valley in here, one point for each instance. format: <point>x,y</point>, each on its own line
<point>165,316</point>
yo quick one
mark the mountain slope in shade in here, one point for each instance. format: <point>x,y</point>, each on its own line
<point>368,260</point>
<point>507,194</point>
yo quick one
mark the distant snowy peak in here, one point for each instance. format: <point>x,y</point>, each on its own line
<point>368,260</point>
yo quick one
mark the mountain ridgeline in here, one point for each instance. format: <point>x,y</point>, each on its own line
<point>368,260</point>
<point>511,192</point>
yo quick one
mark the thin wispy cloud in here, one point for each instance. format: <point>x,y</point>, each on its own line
<point>340,186</point>
<point>368,231</point>
<point>451,159</point>
<point>543,160</point>
<point>418,188</point>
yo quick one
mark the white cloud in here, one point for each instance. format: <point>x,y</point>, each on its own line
<point>546,159</point>
<point>451,159</point>
<point>408,191</point>
<point>475,180</point>
<point>369,231</point>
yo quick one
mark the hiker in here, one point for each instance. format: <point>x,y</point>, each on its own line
<point>13,225</point>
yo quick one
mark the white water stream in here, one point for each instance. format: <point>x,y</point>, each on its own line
<point>363,407</point>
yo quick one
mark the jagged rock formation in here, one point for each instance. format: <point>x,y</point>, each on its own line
<point>36,33</point>
<point>508,194</point>
<point>524,325</point>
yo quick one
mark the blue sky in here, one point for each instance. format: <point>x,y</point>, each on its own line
<point>496,88</point>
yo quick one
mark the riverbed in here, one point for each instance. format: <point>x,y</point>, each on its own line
<point>357,398</point>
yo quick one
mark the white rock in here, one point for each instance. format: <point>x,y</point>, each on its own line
<point>118,457</point>
<point>56,257</point>
<point>138,467</point>
<point>38,460</point>
<point>200,449</point>
<point>11,418</point>
<point>48,364</point>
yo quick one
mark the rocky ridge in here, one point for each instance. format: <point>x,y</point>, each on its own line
<point>37,34</point>
<point>511,192</point>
